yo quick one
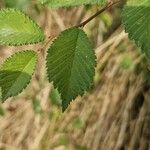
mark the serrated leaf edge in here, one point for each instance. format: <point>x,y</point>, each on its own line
<point>6,60</point>
<point>39,39</point>
<point>55,86</point>
<point>83,4</point>
<point>138,44</point>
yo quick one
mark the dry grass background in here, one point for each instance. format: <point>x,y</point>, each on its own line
<point>114,115</point>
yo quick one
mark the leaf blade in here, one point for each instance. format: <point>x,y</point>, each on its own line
<point>68,3</point>
<point>136,21</point>
<point>71,64</point>
<point>16,73</point>
<point>17,29</point>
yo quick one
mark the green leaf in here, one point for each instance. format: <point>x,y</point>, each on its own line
<point>36,105</point>
<point>2,111</point>
<point>18,4</point>
<point>16,73</point>
<point>77,123</point>
<point>71,64</point>
<point>55,97</point>
<point>0,93</point>
<point>17,29</point>
<point>136,20</point>
<point>68,3</point>
<point>126,62</point>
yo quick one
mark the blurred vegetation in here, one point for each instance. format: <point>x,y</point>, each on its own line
<point>34,121</point>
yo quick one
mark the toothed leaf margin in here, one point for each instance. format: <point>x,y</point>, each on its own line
<point>136,20</point>
<point>71,64</point>
<point>16,72</point>
<point>18,29</point>
<point>68,3</point>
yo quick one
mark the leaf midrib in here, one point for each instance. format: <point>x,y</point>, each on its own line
<point>72,64</point>
<point>22,71</point>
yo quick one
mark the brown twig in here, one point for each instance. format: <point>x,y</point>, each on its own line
<point>110,4</point>
<point>46,44</point>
